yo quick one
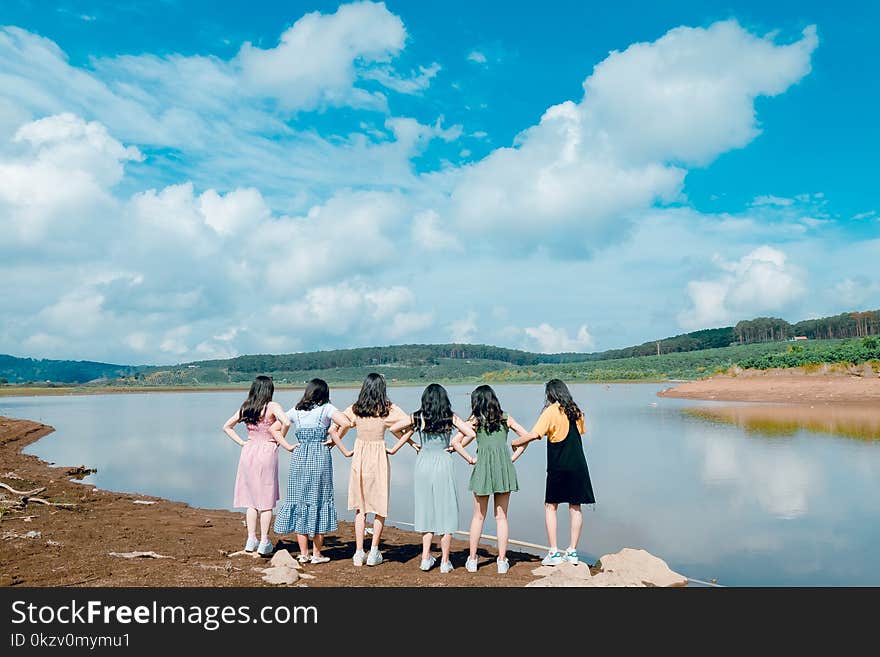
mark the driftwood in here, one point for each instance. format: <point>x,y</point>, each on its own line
<point>139,555</point>
<point>22,493</point>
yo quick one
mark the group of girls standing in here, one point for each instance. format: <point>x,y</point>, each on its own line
<point>309,510</point>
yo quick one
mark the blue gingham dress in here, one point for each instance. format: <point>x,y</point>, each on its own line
<point>309,507</point>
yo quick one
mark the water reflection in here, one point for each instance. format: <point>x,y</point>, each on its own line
<point>861,422</point>
<point>696,489</point>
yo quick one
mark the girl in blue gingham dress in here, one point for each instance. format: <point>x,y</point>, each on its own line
<point>309,509</point>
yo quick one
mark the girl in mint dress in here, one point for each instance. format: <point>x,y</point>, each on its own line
<point>436,501</point>
<point>494,473</point>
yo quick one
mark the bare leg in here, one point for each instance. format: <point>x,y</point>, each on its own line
<point>426,545</point>
<point>251,518</point>
<point>577,521</point>
<point>265,522</point>
<point>303,541</point>
<point>550,520</point>
<point>501,500</point>
<point>481,503</point>
<point>378,526</point>
<point>445,542</point>
<point>360,525</point>
<point>317,544</point>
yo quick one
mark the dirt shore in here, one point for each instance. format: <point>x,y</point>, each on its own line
<point>43,545</point>
<point>782,386</point>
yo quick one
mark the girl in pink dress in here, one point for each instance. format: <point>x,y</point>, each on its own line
<point>256,484</point>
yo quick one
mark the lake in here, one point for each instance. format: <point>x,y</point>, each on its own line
<point>713,496</point>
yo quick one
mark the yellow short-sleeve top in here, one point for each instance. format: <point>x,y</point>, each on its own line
<point>554,424</point>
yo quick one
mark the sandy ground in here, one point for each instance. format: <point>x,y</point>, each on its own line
<point>44,545</point>
<point>784,386</point>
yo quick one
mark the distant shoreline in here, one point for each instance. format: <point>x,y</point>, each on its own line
<point>35,391</point>
<point>791,386</point>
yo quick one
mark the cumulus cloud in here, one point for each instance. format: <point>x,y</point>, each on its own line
<point>244,210</point>
<point>573,181</point>
<point>477,57</point>
<point>762,281</point>
<point>552,340</point>
<point>464,328</point>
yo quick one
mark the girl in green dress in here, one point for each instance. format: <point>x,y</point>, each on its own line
<point>494,473</point>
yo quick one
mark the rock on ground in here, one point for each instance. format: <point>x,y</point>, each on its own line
<point>629,567</point>
<point>280,575</point>
<point>284,558</point>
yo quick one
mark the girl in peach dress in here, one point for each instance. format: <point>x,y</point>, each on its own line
<point>372,414</point>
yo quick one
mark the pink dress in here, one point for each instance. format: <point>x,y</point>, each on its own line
<point>256,484</point>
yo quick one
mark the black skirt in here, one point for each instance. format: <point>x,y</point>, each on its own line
<point>568,479</point>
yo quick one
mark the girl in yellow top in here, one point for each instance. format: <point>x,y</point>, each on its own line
<point>568,479</point>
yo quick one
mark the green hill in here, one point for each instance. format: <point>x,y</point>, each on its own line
<point>762,342</point>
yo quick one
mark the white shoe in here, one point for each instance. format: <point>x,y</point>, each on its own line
<point>503,566</point>
<point>446,567</point>
<point>264,549</point>
<point>358,558</point>
<point>320,559</point>
<point>571,556</point>
<point>303,558</point>
<point>553,558</point>
<point>428,563</point>
<point>251,544</point>
<point>471,565</point>
<point>374,558</point>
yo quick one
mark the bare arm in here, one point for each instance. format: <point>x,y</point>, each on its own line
<point>336,439</point>
<point>229,429</point>
<point>465,440</point>
<point>405,437</point>
<point>466,428</point>
<point>525,437</point>
<point>284,421</point>
<point>458,445</point>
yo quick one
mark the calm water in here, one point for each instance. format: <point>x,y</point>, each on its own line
<point>714,499</point>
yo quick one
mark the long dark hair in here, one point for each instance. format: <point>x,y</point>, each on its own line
<point>317,393</point>
<point>373,399</point>
<point>262,389</point>
<point>435,414</point>
<point>486,409</point>
<point>557,392</point>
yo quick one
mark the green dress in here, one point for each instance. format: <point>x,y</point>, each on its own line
<point>494,472</point>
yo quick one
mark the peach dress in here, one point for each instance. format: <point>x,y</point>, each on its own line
<point>370,478</point>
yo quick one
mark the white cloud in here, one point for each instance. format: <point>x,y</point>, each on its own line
<point>477,57</point>
<point>353,305</point>
<point>551,340</point>
<point>415,83</point>
<point>573,181</point>
<point>464,328</point>
<point>428,233</point>
<point>316,59</point>
<point>769,199</point>
<point>762,281</point>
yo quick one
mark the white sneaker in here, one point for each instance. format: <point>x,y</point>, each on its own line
<point>251,544</point>
<point>503,566</point>
<point>446,567</point>
<point>374,558</point>
<point>358,558</point>
<point>471,565</point>
<point>303,558</point>
<point>571,556</point>
<point>264,549</point>
<point>428,563</point>
<point>553,558</point>
<point>320,559</point>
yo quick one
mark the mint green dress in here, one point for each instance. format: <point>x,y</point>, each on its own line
<point>493,472</point>
<point>436,501</point>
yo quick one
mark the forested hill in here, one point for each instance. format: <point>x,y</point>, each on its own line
<point>17,370</point>
<point>452,361</point>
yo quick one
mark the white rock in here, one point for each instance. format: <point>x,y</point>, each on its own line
<point>280,575</point>
<point>631,567</point>
<point>565,574</point>
<point>284,558</point>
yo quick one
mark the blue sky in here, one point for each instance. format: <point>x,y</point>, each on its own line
<point>181,184</point>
